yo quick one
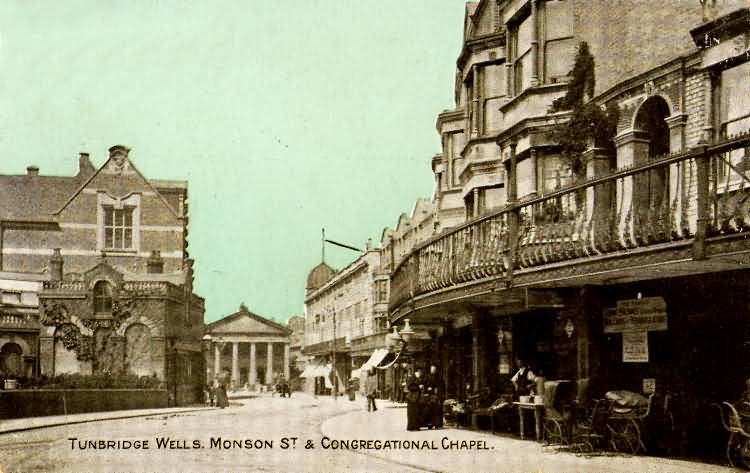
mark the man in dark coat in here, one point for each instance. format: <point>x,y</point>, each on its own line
<point>415,385</point>
<point>434,398</point>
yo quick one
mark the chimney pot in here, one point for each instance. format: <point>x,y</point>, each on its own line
<point>56,265</point>
<point>32,170</point>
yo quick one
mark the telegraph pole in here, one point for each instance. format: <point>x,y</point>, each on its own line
<point>335,373</point>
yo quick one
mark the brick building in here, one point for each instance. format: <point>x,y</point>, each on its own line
<point>95,276</point>
<point>572,268</point>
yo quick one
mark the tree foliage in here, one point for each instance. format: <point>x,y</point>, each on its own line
<point>589,123</point>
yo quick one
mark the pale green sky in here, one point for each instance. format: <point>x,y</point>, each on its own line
<point>283,116</point>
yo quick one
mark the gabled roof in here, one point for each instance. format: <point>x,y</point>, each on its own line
<point>138,173</point>
<point>33,197</point>
<point>244,321</point>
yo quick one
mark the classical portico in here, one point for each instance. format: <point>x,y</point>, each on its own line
<point>252,349</point>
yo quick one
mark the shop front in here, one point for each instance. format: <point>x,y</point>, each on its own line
<point>684,339</point>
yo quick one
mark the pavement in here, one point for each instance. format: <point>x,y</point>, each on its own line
<point>462,450</point>
<point>30,423</point>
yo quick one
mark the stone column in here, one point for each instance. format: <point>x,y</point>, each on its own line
<point>598,197</point>
<point>269,364</point>
<point>508,64</point>
<point>534,43</point>
<point>251,377</point>
<point>534,181</point>
<point>217,359</point>
<point>475,102</point>
<point>286,361</point>
<point>475,210</point>
<point>678,185</point>
<point>235,363</point>
<point>476,368</point>
<point>632,193</point>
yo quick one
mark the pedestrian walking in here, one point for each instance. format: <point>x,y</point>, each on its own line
<point>371,389</point>
<point>220,386</point>
<point>210,391</point>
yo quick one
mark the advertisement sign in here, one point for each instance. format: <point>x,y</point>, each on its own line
<point>648,313</point>
<point>635,347</point>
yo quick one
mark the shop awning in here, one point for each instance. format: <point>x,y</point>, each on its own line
<point>315,370</point>
<point>374,360</point>
<point>388,360</point>
<point>307,372</point>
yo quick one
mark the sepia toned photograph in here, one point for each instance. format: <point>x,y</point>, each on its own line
<point>375,236</point>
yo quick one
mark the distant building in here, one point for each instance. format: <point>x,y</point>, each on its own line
<point>297,360</point>
<point>95,276</point>
<point>253,349</point>
<point>345,312</point>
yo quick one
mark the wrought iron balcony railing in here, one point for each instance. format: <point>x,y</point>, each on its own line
<point>681,197</point>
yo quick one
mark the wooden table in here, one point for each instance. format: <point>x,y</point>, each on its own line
<point>538,410</point>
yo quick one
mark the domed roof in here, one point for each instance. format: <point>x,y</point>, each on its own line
<point>319,275</point>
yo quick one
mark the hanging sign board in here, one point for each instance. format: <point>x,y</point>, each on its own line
<point>645,314</point>
<point>635,347</point>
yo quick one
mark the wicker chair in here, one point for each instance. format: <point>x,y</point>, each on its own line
<point>558,411</point>
<point>738,444</point>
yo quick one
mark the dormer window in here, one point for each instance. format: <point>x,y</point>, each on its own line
<point>103,297</point>
<point>118,228</point>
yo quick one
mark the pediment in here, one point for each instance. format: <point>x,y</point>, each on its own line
<point>246,322</point>
<point>103,271</point>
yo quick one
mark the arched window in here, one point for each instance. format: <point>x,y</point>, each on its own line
<point>102,297</point>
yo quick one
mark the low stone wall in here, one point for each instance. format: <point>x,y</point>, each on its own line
<point>49,402</point>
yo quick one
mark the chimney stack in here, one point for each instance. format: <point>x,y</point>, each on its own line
<point>85,168</point>
<point>32,170</point>
<point>155,263</point>
<point>55,266</point>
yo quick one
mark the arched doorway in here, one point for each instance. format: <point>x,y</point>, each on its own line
<point>651,188</point>
<point>12,359</point>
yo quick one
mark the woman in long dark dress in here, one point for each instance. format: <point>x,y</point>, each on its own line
<point>221,391</point>
<point>414,385</point>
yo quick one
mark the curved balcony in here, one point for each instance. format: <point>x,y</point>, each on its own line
<point>681,214</point>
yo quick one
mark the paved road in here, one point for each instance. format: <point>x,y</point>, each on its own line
<point>263,419</point>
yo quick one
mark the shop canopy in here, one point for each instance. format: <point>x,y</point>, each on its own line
<point>315,370</point>
<point>374,360</point>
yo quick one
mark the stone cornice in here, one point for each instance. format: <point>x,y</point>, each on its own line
<point>537,90</point>
<point>717,30</point>
<point>535,124</point>
<point>479,43</point>
<point>481,167</point>
<point>449,116</point>
<point>683,63</point>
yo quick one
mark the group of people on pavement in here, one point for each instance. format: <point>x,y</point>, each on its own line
<point>424,400</point>
<point>217,392</point>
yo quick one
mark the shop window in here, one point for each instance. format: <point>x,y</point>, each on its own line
<point>102,297</point>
